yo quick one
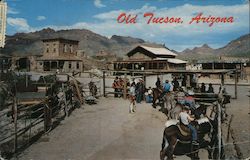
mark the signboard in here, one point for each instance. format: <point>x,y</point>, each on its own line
<point>3,10</point>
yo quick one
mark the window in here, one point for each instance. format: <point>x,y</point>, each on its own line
<point>54,50</point>
<point>77,65</point>
<point>47,50</point>
<point>70,65</point>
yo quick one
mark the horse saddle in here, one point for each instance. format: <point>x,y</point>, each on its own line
<point>185,131</point>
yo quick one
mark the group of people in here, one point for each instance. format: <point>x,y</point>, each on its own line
<point>118,86</point>
<point>136,94</point>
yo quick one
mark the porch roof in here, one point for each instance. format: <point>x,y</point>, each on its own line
<point>65,58</point>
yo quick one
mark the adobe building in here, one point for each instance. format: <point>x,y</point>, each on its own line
<point>60,54</point>
<point>150,58</point>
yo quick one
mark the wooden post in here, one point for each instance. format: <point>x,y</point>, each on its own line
<point>235,84</point>
<point>45,109</point>
<point>15,124</point>
<point>229,127</point>
<point>125,86</point>
<point>222,79</point>
<point>103,81</point>
<point>219,130</point>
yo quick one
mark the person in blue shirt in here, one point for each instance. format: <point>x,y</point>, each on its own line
<point>166,88</point>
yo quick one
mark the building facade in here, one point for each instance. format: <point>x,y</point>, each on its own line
<point>150,58</point>
<point>60,55</point>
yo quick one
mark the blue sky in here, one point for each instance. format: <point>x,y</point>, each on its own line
<point>100,16</point>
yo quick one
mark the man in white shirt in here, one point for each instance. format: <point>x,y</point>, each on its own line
<point>185,119</point>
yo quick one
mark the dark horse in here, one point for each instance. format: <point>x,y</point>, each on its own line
<point>156,94</point>
<point>174,143</point>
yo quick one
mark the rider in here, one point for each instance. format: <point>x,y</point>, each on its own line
<point>166,88</point>
<point>185,119</point>
<point>158,83</point>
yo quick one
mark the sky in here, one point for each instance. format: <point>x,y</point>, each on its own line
<point>100,16</point>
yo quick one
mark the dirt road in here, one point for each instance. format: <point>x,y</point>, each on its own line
<point>105,131</point>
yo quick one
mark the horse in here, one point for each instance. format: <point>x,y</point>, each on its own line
<point>175,143</point>
<point>156,94</point>
<point>166,102</point>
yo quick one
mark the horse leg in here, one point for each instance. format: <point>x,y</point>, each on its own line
<point>170,148</point>
<point>163,148</point>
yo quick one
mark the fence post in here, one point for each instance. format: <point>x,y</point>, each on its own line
<point>45,117</point>
<point>15,123</point>
<point>103,80</point>
<point>219,129</point>
<point>235,83</point>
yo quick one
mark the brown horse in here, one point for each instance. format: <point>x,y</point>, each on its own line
<point>174,143</point>
<point>156,94</point>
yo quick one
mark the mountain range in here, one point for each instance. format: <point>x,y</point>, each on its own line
<point>239,47</point>
<point>22,44</point>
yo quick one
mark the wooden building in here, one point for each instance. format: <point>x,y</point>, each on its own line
<point>60,54</point>
<point>150,58</point>
<point>241,64</point>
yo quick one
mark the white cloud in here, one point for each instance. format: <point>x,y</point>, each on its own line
<point>174,35</point>
<point>98,4</point>
<point>20,24</point>
<point>40,18</point>
<point>11,10</point>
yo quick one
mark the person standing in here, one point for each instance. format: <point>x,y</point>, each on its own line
<point>132,94</point>
<point>203,88</point>
<point>158,83</point>
<point>210,88</point>
<point>175,84</point>
<point>115,86</point>
<point>139,91</point>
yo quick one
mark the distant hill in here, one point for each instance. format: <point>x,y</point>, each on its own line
<point>239,47</point>
<point>89,42</point>
<point>92,43</point>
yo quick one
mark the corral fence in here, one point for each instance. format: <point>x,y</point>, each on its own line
<point>22,123</point>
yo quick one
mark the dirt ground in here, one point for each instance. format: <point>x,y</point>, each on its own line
<point>240,109</point>
<point>105,131</point>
